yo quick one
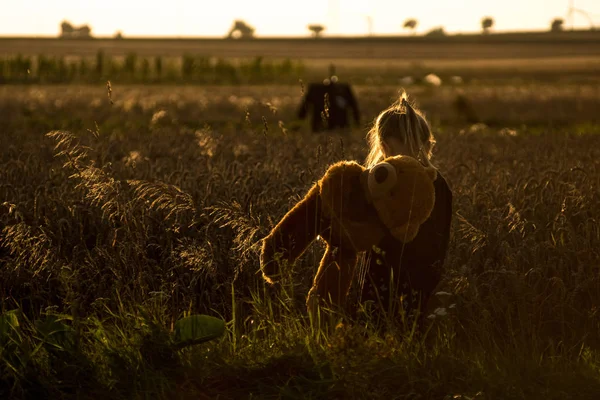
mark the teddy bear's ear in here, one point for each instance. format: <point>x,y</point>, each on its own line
<point>431,172</point>
<point>382,177</point>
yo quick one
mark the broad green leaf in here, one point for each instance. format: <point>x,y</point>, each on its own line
<point>197,329</point>
<point>8,322</point>
<point>54,332</point>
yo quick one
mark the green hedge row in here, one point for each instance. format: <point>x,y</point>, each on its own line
<point>134,69</point>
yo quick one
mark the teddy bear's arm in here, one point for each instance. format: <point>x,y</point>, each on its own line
<point>292,235</point>
<point>332,281</point>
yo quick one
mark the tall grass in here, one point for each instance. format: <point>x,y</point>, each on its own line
<point>128,218</point>
<point>190,69</point>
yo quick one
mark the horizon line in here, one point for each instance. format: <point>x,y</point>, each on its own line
<point>332,36</point>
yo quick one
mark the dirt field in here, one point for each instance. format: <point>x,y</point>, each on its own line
<point>467,47</point>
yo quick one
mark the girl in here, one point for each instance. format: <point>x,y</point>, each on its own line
<point>406,272</point>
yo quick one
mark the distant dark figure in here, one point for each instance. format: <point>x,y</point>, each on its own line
<point>464,109</point>
<point>330,102</point>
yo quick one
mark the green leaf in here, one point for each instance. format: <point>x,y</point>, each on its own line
<point>54,332</point>
<point>9,321</point>
<point>197,329</point>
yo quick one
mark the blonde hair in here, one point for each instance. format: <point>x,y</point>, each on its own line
<point>407,124</point>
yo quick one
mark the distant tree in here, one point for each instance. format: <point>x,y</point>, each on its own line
<point>436,32</point>
<point>316,30</point>
<point>119,35</point>
<point>240,30</point>
<point>411,24</point>
<point>68,31</point>
<point>85,31</point>
<point>557,25</point>
<point>486,24</point>
<point>66,28</point>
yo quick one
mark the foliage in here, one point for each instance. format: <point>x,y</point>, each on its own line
<point>316,29</point>
<point>240,30</point>
<point>436,32</point>
<point>197,69</point>
<point>205,70</point>
<point>486,24</point>
<point>557,25</point>
<point>196,329</point>
<point>410,23</point>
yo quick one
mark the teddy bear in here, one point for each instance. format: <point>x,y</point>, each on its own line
<point>351,208</point>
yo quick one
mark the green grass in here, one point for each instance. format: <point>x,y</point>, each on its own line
<point>208,67</point>
<point>188,68</point>
<point>136,214</point>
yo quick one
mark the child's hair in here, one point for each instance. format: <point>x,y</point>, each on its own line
<point>405,123</point>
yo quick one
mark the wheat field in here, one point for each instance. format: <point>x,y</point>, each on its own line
<point>123,211</point>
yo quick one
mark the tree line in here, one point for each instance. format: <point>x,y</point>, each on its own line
<point>135,69</point>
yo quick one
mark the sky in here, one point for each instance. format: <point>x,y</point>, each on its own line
<point>213,18</point>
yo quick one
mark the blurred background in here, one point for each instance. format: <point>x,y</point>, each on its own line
<point>376,42</point>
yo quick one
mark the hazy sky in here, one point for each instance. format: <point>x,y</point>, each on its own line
<point>281,17</point>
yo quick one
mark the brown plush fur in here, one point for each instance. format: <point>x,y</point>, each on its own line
<point>342,210</point>
<point>410,203</point>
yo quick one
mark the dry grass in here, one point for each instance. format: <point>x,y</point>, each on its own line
<point>136,213</point>
<point>538,106</point>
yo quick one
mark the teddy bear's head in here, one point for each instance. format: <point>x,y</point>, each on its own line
<point>401,190</point>
<point>396,195</point>
<point>354,221</point>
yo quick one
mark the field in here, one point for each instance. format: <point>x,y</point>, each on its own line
<point>470,46</point>
<point>123,211</point>
<point>512,58</point>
